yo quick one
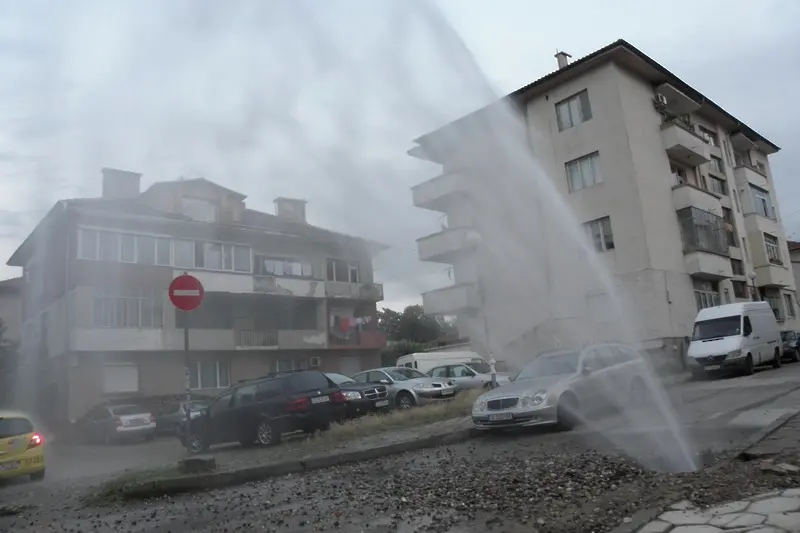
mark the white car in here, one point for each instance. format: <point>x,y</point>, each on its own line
<point>466,376</point>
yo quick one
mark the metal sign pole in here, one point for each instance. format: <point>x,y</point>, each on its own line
<point>188,381</point>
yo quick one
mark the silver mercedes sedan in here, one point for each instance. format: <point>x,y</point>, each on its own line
<point>565,387</point>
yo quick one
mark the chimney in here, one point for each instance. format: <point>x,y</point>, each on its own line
<point>563,59</point>
<point>120,183</point>
<point>291,209</point>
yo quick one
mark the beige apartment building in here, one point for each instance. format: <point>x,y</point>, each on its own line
<point>280,294</point>
<point>674,195</point>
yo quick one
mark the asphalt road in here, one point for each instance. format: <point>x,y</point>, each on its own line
<point>455,489</point>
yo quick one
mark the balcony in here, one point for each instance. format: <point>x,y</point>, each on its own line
<point>355,291</point>
<point>301,339</point>
<point>283,286</point>
<point>746,174</point>
<point>683,144</point>
<point>686,195</point>
<point>451,300</point>
<point>367,339</point>
<point>773,276</point>
<point>444,246</point>
<point>705,265</point>
<point>436,193</point>
<point>705,244</point>
<point>256,339</point>
<point>96,339</point>
<point>756,225</point>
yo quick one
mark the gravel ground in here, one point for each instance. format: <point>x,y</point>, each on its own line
<point>491,484</point>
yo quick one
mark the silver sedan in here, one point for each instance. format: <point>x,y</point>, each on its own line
<point>409,387</point>
<point>566,387</point>
<point>468,375</point>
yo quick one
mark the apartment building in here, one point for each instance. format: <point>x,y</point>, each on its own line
<point>674,194</point>
<point>11,308</point>
<point>280,294</point>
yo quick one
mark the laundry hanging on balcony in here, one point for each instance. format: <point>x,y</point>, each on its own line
<point>343,326</point>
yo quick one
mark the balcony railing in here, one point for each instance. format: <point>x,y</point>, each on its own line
<point>703,231</point>
<point>256,338</point>
<point>357,339</point>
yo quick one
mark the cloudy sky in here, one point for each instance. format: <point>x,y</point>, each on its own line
<point>320,99</point>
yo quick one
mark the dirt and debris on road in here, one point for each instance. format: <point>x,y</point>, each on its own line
<point>545,484</point>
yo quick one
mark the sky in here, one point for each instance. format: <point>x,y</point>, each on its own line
<point>320,100</point>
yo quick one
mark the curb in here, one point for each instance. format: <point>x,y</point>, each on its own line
<point>183,484</point>
<point>762,434</point>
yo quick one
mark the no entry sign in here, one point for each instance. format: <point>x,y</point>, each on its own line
<point>186,292</point>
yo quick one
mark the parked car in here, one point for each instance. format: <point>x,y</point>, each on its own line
<point>174,414</point>
<point>21,447</point>
<point>261,410</point>
<point>473,375</point>
<point>113,423</point>
<point>791,350</point>
<point>563,387</point>
<point>408,387</point>
<point>361,398</point>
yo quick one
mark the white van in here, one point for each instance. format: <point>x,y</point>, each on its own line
<point>424,361</point>
<point>734,337</point>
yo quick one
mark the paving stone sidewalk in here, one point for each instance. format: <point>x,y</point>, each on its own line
<point>772,512</point>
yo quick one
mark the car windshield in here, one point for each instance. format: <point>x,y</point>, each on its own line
<point>717,327</point>
<point>14,427</point>
<point>786,335</point>
<point>558,364</point>
<point>403,374</point>
<point>123,410</point>
<point>340,379</point>
<point>481,367</point>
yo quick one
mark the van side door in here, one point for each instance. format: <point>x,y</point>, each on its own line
<point>751,342</point>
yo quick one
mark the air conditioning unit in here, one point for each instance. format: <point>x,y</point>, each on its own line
<point>315,361</point>
<point>661,100</point>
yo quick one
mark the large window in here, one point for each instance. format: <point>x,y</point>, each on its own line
<point>716,165</point>
<point>153,250</point>
<point>739,289</point>
<point>199,210</point>
<point>271,266</point>
<point>584,172</point>
<point>762,203</point>
<point>127,308</point>
<point>773,249</point>
<point>703,231</point>
<point>339,270</point>
<point>789,301</point>
<point>737,267</point>
<point>706,294</point>
<point>573,111</point>
<point>730,227</point>
<point>600,233</point>
<point>209,374</point>
<point>718,186</point>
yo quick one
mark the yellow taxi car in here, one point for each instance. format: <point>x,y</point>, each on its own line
<point>21,447</point>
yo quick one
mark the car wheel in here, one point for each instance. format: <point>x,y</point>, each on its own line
<point>776,360</point>
<point>638,394</point>
<point>38,476</point>
<point>405,400</point>
<point>196,443</point>
<point>749,368</point>
<point>568,414</point>
<point>267,433</point>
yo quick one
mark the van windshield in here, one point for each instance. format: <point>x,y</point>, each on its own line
<point>728,326</point>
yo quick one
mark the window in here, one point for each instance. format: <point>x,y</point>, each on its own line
<point>706,294</point>
<point>283,267</point>
<point>730,227</point>
<point>679,174</point>
<point>199,210</point>
<point>773,249</point>
<point>702,231</point>
<point>285,365</point>
<point>209,375</point>
<point>127,248</point>
<point>339,270</point>
<point>775,303</point>
<point>739,289</point>
<point>212,255</point>
<point>737,267</point>
<point>600,233</point>
<point>146,250</point>
<point>762,203</point>
<point>716,165</point>
<point>712,136</point>
<point>584,172</point>
<point>127,308</point>
<point>790,312</point>
<point>718,186</point>
<point>183,253</point>
<point>163,252</point>
<point>573,111</point>
<point>241,258</point>
<point>87,244</point>
<point>109,246</point>
<point>122,377</point>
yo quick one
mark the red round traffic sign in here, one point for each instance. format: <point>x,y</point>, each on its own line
<point>186,292</point>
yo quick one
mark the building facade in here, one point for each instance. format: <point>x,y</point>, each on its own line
<point>607,199</point>
<point>11,308</point>
<point>280,294</point>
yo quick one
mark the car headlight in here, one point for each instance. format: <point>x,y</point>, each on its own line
<point>479,406</point>
<point>733,355</point>
<point>352,395</point>
<point>535,399</point>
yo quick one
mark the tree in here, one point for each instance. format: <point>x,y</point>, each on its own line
<point>414,325</point>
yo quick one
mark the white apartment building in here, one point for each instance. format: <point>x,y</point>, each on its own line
<point>674,194</point>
